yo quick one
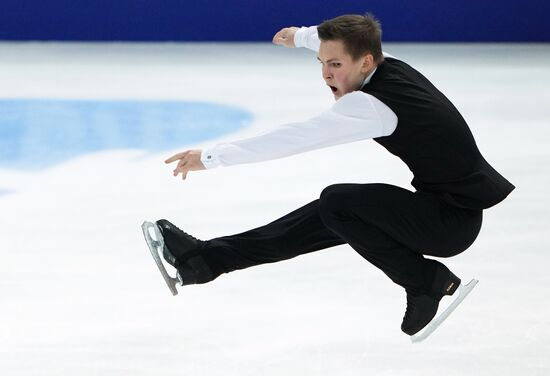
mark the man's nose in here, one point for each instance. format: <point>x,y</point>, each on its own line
<point>327,74</point>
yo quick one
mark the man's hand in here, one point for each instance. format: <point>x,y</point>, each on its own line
<point>189,160</point>
<point>285,37</point>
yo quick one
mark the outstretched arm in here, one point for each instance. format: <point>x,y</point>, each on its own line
<point>356,116</point>
<point>298,37</point>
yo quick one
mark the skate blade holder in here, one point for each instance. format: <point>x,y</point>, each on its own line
<point>463,291</point>
<point>156,245</point>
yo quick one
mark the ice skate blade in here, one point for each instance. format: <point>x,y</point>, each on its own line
<point>463,291</point>
<point>155,247</point>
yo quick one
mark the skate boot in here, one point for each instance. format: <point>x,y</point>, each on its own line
<point>182,251</point>
<point>421,309</point>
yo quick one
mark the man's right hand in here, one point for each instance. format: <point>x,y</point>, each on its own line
<point>189,160</point>
<point>285,37</point>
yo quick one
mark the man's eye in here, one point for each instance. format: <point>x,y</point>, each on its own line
<point>336,65</point>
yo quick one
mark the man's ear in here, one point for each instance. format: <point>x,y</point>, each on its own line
<point>368,63</point>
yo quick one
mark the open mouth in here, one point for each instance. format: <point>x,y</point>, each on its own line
<point>333,88</point>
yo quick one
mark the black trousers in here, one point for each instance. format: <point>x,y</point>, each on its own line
<point>389,226</point>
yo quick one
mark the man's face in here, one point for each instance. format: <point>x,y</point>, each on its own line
<point>341,73</point>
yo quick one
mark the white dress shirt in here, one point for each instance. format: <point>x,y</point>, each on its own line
<point>355,116</point>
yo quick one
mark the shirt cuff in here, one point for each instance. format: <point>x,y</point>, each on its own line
<point>302,34</point>
<point>210,158</point>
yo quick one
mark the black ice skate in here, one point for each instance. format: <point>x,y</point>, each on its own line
<point>178,245</point>
<point>421,309</point>
<point>180,250</point>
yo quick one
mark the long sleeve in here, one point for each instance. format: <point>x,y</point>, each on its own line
<point>307,37</point>
<point>356,116</point>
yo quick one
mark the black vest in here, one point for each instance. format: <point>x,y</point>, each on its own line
<point>434,140</point>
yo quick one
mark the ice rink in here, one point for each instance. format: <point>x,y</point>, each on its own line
<point>81,295</point>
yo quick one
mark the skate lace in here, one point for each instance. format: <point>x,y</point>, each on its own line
<point>186,234</point>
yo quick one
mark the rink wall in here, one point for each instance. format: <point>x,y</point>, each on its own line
<point>254,20</point>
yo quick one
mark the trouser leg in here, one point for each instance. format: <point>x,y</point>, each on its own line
<point>299,232</point>
<point>389,226</point>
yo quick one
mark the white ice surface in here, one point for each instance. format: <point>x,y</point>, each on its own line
<point>81,295</point>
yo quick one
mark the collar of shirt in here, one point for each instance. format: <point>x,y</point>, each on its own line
<point>367,80</point>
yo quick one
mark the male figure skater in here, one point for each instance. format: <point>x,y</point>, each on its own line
<point>377,97</point>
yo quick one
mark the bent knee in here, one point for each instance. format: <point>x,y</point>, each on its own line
<point>330,195</point>
<point>331,202</point>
